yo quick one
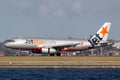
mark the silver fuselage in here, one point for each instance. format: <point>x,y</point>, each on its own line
<point>47,43</point>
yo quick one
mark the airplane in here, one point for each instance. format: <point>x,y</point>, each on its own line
<point>56,46</point>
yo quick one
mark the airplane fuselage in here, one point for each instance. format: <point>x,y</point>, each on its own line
<point>37,44</point>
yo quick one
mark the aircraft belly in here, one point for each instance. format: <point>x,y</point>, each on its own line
<point>78,48</point>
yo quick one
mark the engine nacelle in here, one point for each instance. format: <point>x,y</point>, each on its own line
<point>48,50</point>
<point>44,50</point>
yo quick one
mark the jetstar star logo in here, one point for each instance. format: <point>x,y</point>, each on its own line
<point>104,31</point>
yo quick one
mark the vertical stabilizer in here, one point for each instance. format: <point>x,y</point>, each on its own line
<point>101,35</point>
<point>104,31</point>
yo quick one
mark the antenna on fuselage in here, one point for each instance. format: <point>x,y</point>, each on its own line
<point>68,37</point>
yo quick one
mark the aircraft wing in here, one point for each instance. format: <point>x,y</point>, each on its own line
<point>60,46</point>
<point>66,45</point>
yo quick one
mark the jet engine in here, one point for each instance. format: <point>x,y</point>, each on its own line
<point>44,50</point>
<point>48,50</point>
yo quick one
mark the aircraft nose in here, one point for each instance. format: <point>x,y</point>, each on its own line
<point>6,44</point>
<point>9,43</point>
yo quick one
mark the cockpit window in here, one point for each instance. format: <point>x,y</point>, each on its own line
<point>9,41</point>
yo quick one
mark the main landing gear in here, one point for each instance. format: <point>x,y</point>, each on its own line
<point>18,53</point>
<point>53,54</point>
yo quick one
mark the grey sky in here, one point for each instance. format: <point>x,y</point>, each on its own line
<point>58,18</point>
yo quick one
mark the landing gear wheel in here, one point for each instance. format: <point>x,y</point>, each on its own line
<point>58,54</point>
<point>52,54</point>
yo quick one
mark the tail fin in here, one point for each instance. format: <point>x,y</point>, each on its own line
<point>104,31</point>
<point>101,35</point>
